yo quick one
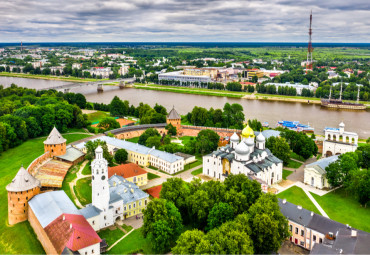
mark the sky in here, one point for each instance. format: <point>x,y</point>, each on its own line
<point>184,21</point>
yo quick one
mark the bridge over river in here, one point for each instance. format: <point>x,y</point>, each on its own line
<point>67,87</point>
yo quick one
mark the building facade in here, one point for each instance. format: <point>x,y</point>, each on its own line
<point>315,173</point>
<point>174,119</point>
<point>337,141</point>
<point>247,157</point>
<point>131,172</point>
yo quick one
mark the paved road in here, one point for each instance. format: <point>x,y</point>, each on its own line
<point>298,174</point>
<point>186,176</point>
<point>73,183</point>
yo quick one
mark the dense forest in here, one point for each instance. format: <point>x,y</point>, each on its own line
<point>27,113</point>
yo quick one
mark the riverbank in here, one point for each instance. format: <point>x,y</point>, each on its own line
<point>185,90</point>
<point>233,94</point>
<point>49,77</point>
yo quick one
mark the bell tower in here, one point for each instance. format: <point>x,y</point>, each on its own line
<point>99,183</point>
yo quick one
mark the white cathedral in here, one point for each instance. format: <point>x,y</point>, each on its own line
<point>247,157</point>
<point>112,199</point>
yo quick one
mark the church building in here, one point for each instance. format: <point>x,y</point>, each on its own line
<point>248,156</point>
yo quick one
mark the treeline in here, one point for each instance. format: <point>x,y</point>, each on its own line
<point>232,217</point>
<point>27,113</point>
<point>230,86</point>
<point>205,142</point>
<point>352,172</point>
<point>231,116</point>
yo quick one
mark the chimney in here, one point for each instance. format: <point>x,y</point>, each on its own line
<point>284,201</point>
<point>312,213</point>
<point>64,217</point>
<point>70,226</point>
<point>299,207</point>
<point>353,233</point>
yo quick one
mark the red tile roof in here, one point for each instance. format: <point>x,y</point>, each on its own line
<point>248,83</point>
<point>71,231</point>
<point>126,170</point>
<point>154,191</point>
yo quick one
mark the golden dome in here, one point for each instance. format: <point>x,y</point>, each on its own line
<point>247,132</point>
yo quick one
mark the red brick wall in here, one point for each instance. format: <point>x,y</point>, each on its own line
<point>55,149</point>
<point>41,234</point>
<point>18,204</point>
<point>37,161</point>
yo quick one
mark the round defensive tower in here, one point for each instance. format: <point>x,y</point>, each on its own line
<point>55,143</point>
<point>174,119</point>
<point>22,188</point>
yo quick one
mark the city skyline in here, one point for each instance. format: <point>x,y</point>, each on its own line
<point>184,21</point>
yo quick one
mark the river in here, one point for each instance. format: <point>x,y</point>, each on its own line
<point>270,111</point>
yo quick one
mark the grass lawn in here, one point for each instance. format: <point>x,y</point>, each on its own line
<point>286,173</point>
<point>70,176</point>
<point>133,140</point>
<point>297,196</point>
<point>293,164</point>
<point>111,236</point>
<point>133,243</point>
<point>186,139</point>
<point>152,176</point>
<point>87,169</point>
<point>83,190</point>
<point>198,171</point>
<point>296,156</point>
<point>152,167</point>
<point>318,156</point>
<point>10,162</point>
<point>97,116</point>
<point>345,209</point>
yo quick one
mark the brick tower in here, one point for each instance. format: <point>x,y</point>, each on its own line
<point>55,143</point>
<point>22,188</point>
<point>175,119</point>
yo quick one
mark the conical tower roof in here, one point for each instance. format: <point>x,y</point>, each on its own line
<point>173,115</point>
<point>55,137</point>
<point>23,181</point>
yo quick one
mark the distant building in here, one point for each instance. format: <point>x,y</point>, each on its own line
<point>104,72</point>
<point>298,86</point>
<point>174,119</point>
<point>337,141</point>
<point>181,77</point>
<point>315,173</point>
<point>131,172</point>
<point>76,66</point>
<point>123,70</point>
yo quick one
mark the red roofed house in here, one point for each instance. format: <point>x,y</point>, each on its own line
<point>131,172</point>
<point>72,232</point>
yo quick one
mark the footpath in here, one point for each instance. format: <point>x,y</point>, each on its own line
<point>74,181</point>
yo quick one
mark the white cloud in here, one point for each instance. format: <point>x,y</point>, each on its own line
<point>184,20</point>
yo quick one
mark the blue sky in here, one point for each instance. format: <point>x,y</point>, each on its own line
<point>184,21</point>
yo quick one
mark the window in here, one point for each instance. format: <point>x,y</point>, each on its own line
<point>105,217</point>
<point>320,240</point>
<point>134,205</point>
<point>290,228</point>
<point>129,207</point>
<point>314,238</point>
<point>302,232</point>
<point>93,222</point>
<point>124,208</point>
<point>296,230</point>
<point>302,243</point>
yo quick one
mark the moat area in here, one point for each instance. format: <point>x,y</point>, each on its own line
<point>270,111</point>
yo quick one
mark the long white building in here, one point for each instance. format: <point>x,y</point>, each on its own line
<point>247,157</point>
<point>180,76</point>
<point>142,155</point>
<point>298,86</point>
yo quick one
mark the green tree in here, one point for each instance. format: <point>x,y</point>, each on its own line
<point>279,147</point>
<point>161,236</point>
<point>220,213</point>
<point>109,123</point>
<point>199,205</point>
<point>176,190</point>
<point>360,186</point>
<point>269,225</point>
<point>150,132</point>
<point>338,173</point>
<point>206,141</point>
<point>188,241</point>
<point>91,147</point>
<point>161,209</point>
<point>171,130</point>
<point>153,141</point>
<point>121,156</point>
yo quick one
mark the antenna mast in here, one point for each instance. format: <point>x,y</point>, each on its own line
<point>340,94</point>
<point>310,49</point>
<point>358,95</point>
